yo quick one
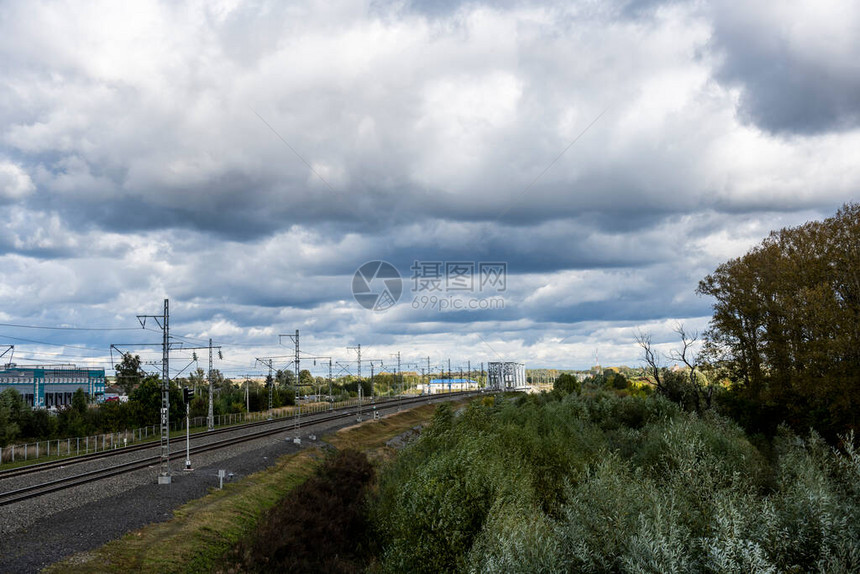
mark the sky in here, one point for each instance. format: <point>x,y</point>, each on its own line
<point>564,173</point>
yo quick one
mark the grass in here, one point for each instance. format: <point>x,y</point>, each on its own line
<point>370,437</point>
<point>203,530</point>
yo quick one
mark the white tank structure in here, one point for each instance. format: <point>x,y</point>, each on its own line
<point>506,376</point>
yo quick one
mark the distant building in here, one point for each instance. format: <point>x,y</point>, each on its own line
<point>436,386</point>
<point>506,376</point>
<point>54,385</point>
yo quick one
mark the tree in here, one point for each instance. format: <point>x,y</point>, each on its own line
<point>129,374</point>
<point>786,323</point>
<point>285,378</point>
<point>79,401</point>
<point>566,383</point>
<point>650,357</point>
<point>198,379</point>
<point>10,403</point>
<point>306,378</point>
<point>219,382</point>
<point>616,380</point>
<point>147,400</point>
<point>690,358</point>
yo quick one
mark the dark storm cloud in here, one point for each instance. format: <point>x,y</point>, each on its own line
<point>795,63</point>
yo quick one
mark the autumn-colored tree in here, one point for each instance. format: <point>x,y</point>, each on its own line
<point>787,322</point>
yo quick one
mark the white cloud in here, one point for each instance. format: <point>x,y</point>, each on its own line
<point>15,183</point>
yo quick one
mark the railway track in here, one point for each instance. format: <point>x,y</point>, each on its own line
<point>274,427</point>
<point>83,458</point>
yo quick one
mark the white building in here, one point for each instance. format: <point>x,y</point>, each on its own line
<point>436,386</point>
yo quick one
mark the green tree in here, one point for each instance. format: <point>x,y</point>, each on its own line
<point>566,383</point>
<point>285,378</point>
<point>129,374</point>
<point>79,401</point>
<point>198,379</point>
<point>10,403</point>
<point>147,400</point>
<point>306,379</point>
<point>616,380</point>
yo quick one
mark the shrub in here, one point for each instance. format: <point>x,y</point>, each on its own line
<point>318,527</point>
<point>593,482</point>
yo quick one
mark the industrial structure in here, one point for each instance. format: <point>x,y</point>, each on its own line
<point>53,385</point>
<point>506,376</point>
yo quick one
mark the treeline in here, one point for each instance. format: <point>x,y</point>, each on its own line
<point>786,328</point>
<point>18,421</point>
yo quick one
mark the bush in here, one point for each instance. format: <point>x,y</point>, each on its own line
<point>593,482</point>
<point>318,527</point>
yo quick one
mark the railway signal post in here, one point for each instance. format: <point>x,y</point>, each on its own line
<point>188,394</point>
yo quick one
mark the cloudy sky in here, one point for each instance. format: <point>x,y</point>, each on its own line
<point>244,159</point>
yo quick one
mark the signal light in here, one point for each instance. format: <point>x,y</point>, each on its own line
<point>187,395</point>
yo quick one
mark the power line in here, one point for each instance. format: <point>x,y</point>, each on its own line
<point>50,344</point>
<point>68,328</point>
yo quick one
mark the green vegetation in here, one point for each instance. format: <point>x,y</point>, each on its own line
<point>566,383</point>
<point>595,482</point>
<point>18,420</point>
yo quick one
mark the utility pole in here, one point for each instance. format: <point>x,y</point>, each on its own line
<point>400,382</point>
<point>270,380</point>
<point>298,385</point>
<point>295,340</point>
<point>187,395</point>
<point>330,401</point>
<point>469,363</point>
<point>163,321</point>
<point>357,349</point>
<point>164,476</point>
<point>210,419</point>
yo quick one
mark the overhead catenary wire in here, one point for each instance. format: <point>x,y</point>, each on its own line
<point>18,326</point>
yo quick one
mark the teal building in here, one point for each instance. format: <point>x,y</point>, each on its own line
<point>54,385</point>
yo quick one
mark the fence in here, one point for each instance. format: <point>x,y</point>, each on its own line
<point>55,448</point>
